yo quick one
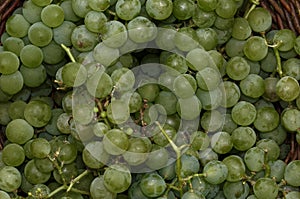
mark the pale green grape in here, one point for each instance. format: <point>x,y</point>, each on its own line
<point>236,168</point>
<point>53,53</point>
<point>137,151</point>
<point>95,20</point>
<point>291,68</point>
<point>277,169</point>
<point>52,15</point>
<point>33,77</point>
<point>270,147</point>
<point>98,190</point>
<point>207,5</point>
<point>215,172</point>
<point>123,79</point>
<point>255,48</point>
<point>113,34</point>
<point>199,140</point>
<point>234,47</point>
<point>168,100</point>
<point>287,88</point>
<point>39,34</point>
<point>199,59</point>
<point>291,174</point>
<point>297,45</point>
<point>184,86</point>
<point>290,119</point>
<point>183,9</point>
<point>158,157</point>
<point>115,142</point>
<point>237,68</point>
<point>33,175</point>
<point>40,148</point>
<point>105,55</point>
<point>12,83</point>
<point>96,5</point>
<point>243,138</point>
<point>186,39</point>
<point>285,39</point>
<point>16,110</point>
<point>211,121</point>
<point>243,113</point>
<point>208,78</point>
<point>69,13</point>
<point>159,9</point>
<point>231,94</point>
<point>31,56</point>
<point>207,38</point>
<point>9,62</point>
<point>94,156</point>
<point>13,155</point>
<point>17,26</point>
<point>279,135</point>
<point>14,45</point>
<point>118,112</point>
<point>223,23</point>
<point>221,142</point>
<point>235,190</point>
<point>117,178</point>
<point>292,195</point>
<point>165,37</point>
<point>37,113</point>
<point>241,29</point>
<point>10,178</point>
<point>82,39</point>
<point>189,108</point>
<point>177,62</point>
<point>210,100</point>
<point>265,188</point>
<point>73,74</point>
<point>255,159</point>
<point>31,11</point>
<point>268,64</point>
<point>128,9</point>
<point>267,119</point>
<point>226,9</point>
<point>141,29</point>
<point>19,131</point>
<point>260,19</point>
<point>202,18</point>
<point>42,3</point>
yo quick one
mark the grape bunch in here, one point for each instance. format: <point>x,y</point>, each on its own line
<point>137,99</point>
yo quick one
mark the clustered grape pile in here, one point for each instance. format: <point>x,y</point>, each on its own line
<point>146,99</point>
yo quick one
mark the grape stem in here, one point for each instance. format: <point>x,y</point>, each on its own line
<point>178,154</point>
<point>75,180</point>
<point>278,60</point>
<point>68,51</point>
<point>253,6</point>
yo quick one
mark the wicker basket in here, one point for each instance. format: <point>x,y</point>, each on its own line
<point>285,14</point>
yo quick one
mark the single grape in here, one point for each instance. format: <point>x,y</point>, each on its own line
<point>10,178</point>
<point>215,172</point>
<point>290,119</point>
<point>159,9</point>
<point>37,113</point>
<point>270,147</point>
<point>17,26</point>
<point>255,48</point>
<point>115,142</point>
<point>9,62</point>
<point>11,84</point>
<point>234,47</point>
<point>287,88</point>
<point>211,121</point>
<point>277,169</point>
<point>226,9</point>
<point>39,34</point>
<point>253,86</point>
<point>33,175</point>
<point>202,18</point>
<point>236,168</point>
<point>237,68</point>
<point>237,190</point>
<point>265,188</point>
<point>221,142</point>
<point>52,15</point>
<point>152,185</point>
<point>19,131</point>
<point>158,157</point>
<point>192,195</point>
<point>292,195</point>
<point>186,39</point>
<point>243,138</point>
<point>285,39</point>
<point>183,9</point>
<point>267,119</point>
<point>95,20</point>
<point>208,78</point>
<point>184,86</point>
<point>127,10</point>
<point>141,29</point>
<point>291,173</point>
<point>243,113</point>
<point>241,29</point>
<point>98,190</point>
<point>99,5</point>
<point>255,159</point>
<point>94,156</point>
<point>117,178</point>
<point>82,39</point>
<point>260,19</point>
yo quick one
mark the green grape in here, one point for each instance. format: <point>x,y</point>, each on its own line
<point>202,18</point>
<point>254,66</point>
<point>215,172</point>
<point>255,159</point>
<point>53,53</point>
<point>157,158</point>
<point>189,108</point>
<point>236,190</point>
<point>183,9</point>
<point>287,88</point>
<point>207,155</point>
<point>152,185</point>
<point>141,29</point>
<point>149,92</point>
<point>223,23</point>
<point>44,165</point>
<point>207,5</point>
<point>208,78</point>
<point>192,195</point>
<point>177,62</point>
<point>253,86</point>
<point>33,77</point>
<point>94,156</point>
<point>11,84</point>
<point>297,45</point>
<point>168,172</point>
<point>165,37</point>
<point>135,101</point>
<point>255,48</point>
<point>270,89</point>
<point>69,12</point>
<point>67,153</point>
<point>31,56</point>
<point>82,39</point>
<point>4,195</point>
<point>115,142</point>
<point>219,60</point>
<point>52,15</point>
<point>237,68</point>
<point>291,68</point>
<point>80,7</point>
<point>279,135</point>
<point>234,47</point>
<point>94,21</point>
<point>229,125</point>
<point>39,34</point>
<point>226,9</point>
<point>40,148</point>
<point>231,94</point>
<point>236,168</point>
<point>184,86</point>
<point>37,113</point>
<point>68,171</point>
<point>268,64</point>
<point>211,121</point>
<point>159,9</point>
<point>241,29</point>
<point>270,147</point>
<point>267,119</point>
<point>105,55</point>
<point>292,195</point>
<point>243,113</point>
<point>14,45</point>
<point>277,169</point>
<point>285,39</point>
<point>199,59</point>
<point>189,165</point>
<point>137,151</point>
<point>13,155</point>
<point>99,5</point>
<point>33,175</point>
<point>42,3</point>
<point>127,10</point>
<point>62,123</point>
<point>100,129</point>
<point>123,79</point>
<point>31,11</point>
<point>117,178</point>
<point>118,112</point>
<point>135,191</point>
<point>19,131</point>
<point>98,190</point>
<point>73,74</point>
<point>265,188</point>
<point>4,116</point>
<point>16,110</point>
<point>207,38</point>
<point>9,62</point>
<point>113,34</point>
<point>39,190</point>
<point>291,173</point>
<point>243,138</point>
<point>186,39</point>
<point>17,26</point>
<point>10,178</point>
<point>290,119</point>
<point>168,100</point>
<point>210,100</point>
<point>83,113</point>
<point>221,142</point>
<point>260,19</point>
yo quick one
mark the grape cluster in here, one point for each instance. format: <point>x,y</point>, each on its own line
<point>148,99</point>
